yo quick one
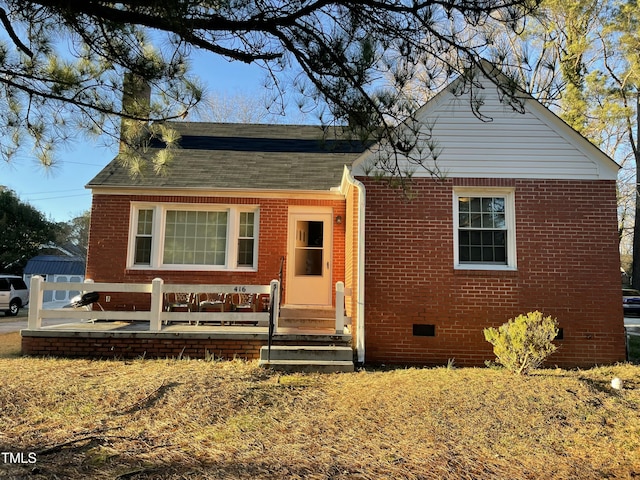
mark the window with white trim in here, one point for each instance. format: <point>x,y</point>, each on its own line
<point>246,240</point>
<point>484,224</point>
<point>193,237</point>
<point>144,229</point>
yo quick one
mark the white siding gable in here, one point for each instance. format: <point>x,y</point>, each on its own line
<point>505,144</point>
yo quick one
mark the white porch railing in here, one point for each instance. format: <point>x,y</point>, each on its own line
<point>341,319</point>
<point>156,315</point>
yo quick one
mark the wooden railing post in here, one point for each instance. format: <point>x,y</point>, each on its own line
<point>339,308</point>
<point>155,321</point>
<point>36,295</point>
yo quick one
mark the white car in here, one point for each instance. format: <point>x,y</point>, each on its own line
<point>14,294</point>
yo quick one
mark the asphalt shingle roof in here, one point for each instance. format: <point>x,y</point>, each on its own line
<point>246,156</point>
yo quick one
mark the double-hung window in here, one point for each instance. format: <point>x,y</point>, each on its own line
<point>484,224</point>
<point>144,230</point>
<point>246,239</point>
<point>193,237</point>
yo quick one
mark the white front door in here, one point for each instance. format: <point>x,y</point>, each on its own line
<point>309,259</point>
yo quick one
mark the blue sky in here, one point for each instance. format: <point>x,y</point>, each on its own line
<point>60,194</point>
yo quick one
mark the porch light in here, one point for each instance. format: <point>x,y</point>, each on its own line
<point>339,219</point>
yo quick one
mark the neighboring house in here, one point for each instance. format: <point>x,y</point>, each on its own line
<point>522,218</point>
<point>56,268</point>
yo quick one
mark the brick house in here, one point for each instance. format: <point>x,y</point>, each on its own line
<point>521,218</point>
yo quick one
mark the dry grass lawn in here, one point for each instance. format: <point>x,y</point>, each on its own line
<point>187,419</point>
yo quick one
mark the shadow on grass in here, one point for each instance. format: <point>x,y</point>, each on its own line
<point>94,457</point>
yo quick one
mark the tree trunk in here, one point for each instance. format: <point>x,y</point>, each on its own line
<point>635,275</point>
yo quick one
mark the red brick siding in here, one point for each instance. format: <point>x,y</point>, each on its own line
<point>109,232</point>
<point>568,267</point>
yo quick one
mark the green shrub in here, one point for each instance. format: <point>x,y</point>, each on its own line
<point>524,342</point>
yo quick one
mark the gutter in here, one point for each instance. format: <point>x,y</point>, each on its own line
<point>360,262</point>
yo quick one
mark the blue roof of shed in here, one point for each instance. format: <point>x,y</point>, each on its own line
<point>53,264</point>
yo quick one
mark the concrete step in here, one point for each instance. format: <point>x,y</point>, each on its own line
<point>308,366</point>
<point>298,358</point>
<point>307,312</point>
<point>307,352</point>
<point>307,317</point>
<point>307,322</point>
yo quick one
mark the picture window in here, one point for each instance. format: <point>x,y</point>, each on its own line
<point>174,236</point>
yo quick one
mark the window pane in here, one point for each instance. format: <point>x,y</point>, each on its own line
<point>487,220</point>
<point>245,252</point>
<point>308,261</point>
<point>499,221</point>
<point>143,251</point>
<point>195,238</point>
<point>145,222</point>
<point>246,224</point>
<point>482,246</point>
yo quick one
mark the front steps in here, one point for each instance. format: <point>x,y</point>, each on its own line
<point>310,318</point>
<point>306,358</point>
<point>319,350</point>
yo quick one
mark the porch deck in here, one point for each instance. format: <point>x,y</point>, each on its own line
<point>168,334</point>
<point>118,327</point>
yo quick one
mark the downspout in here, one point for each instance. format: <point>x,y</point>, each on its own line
<point>360,262</point>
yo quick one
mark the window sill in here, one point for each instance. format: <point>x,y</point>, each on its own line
<point>485,270</point>
<point>197,268</point>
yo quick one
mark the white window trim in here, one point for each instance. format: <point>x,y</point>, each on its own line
<point>509,195</point>
<point>157,242</point>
